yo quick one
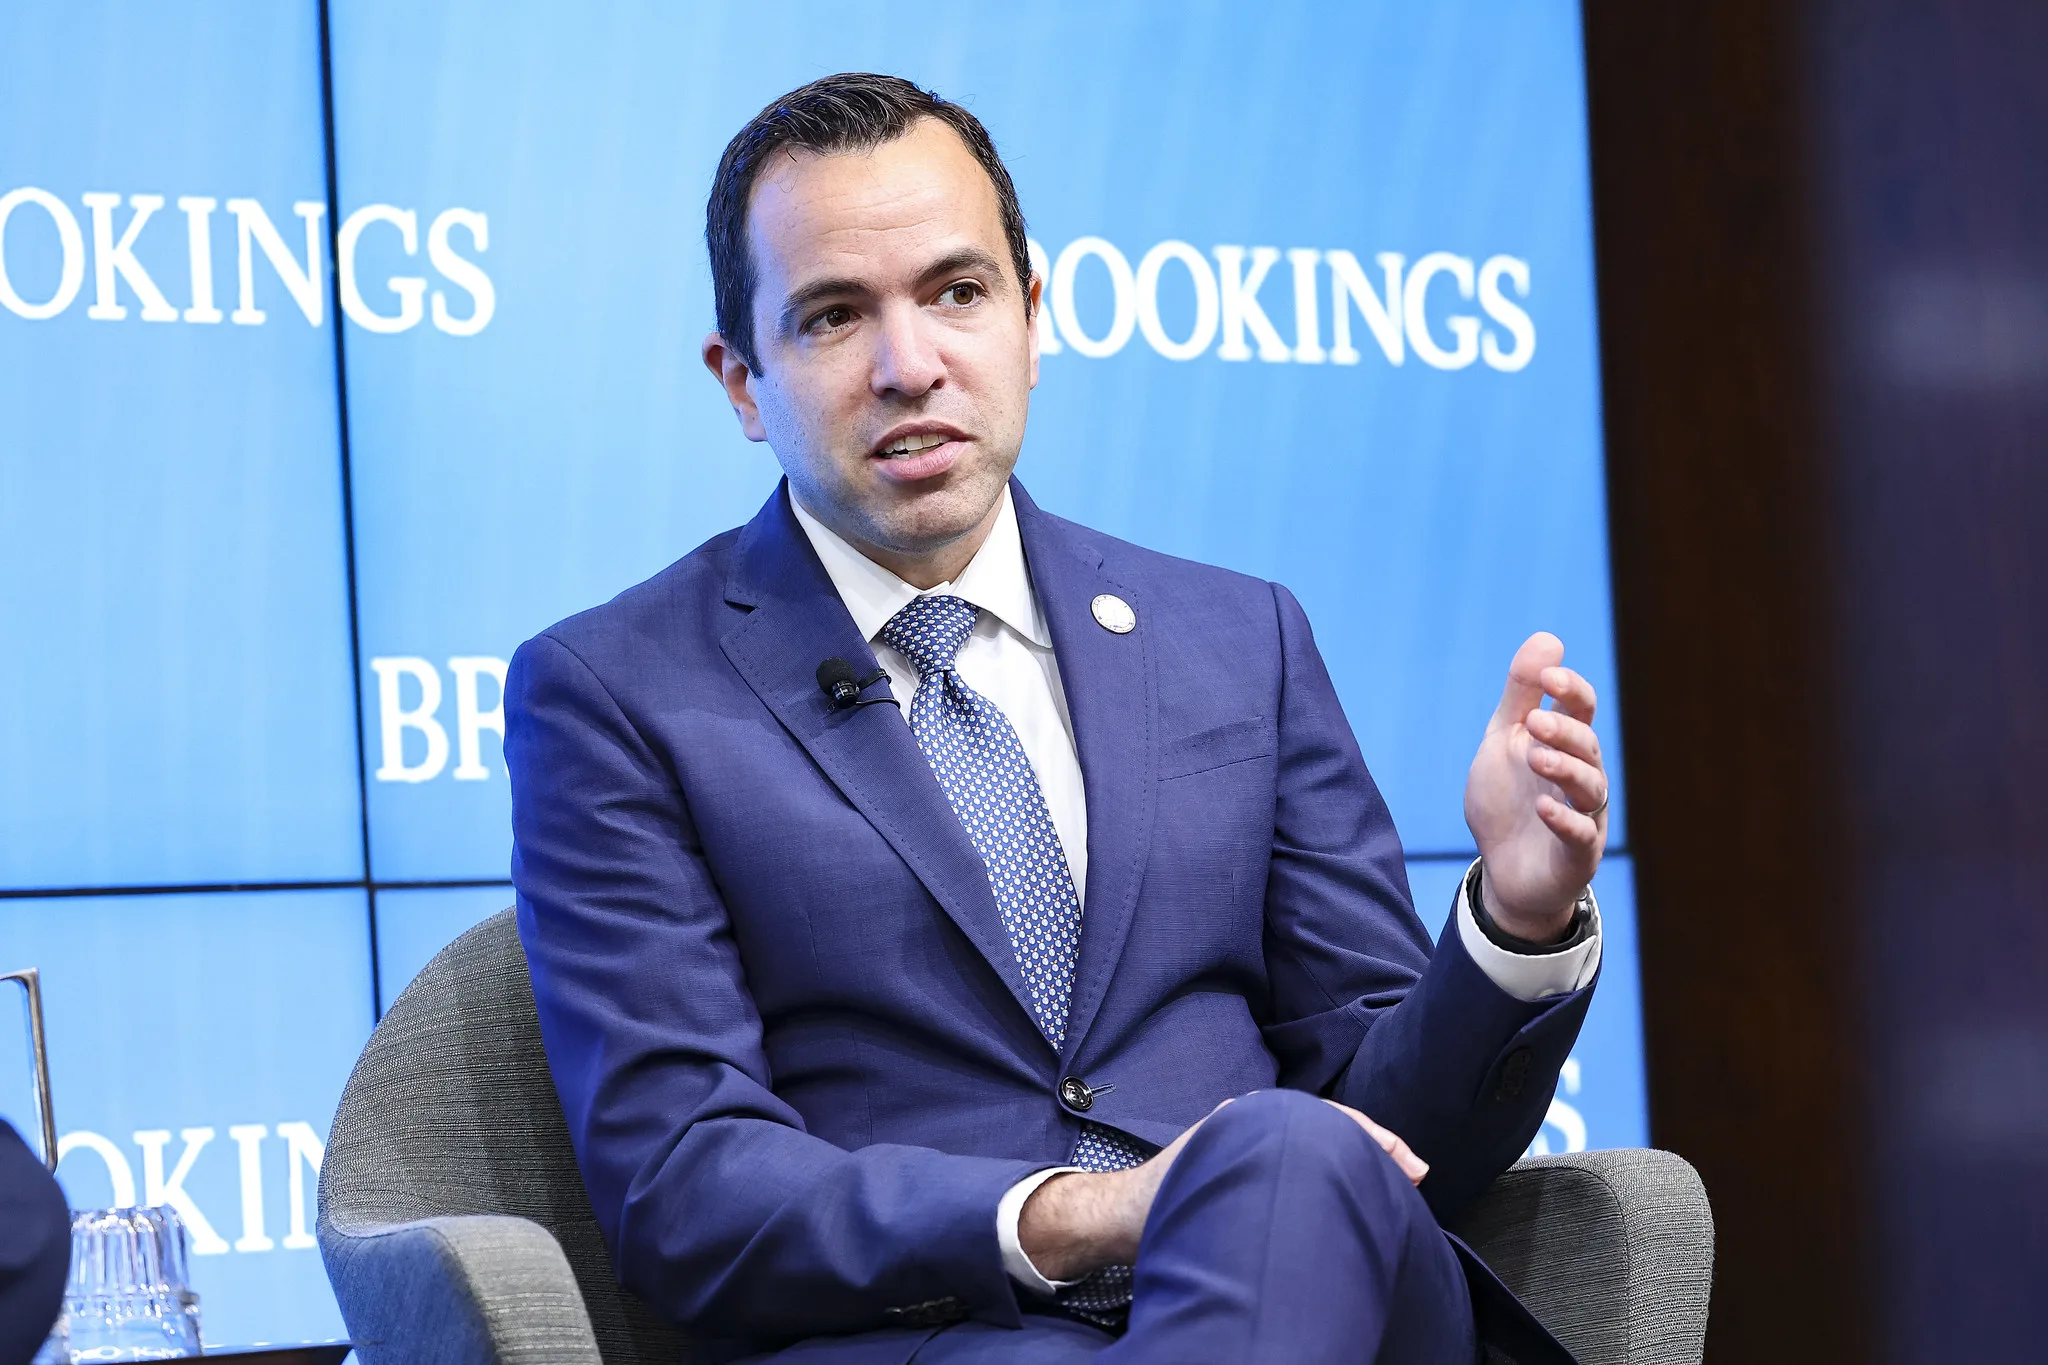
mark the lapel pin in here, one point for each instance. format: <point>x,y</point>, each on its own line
<point>1114,614</point>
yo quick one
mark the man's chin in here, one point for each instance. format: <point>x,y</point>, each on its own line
<point>931,519</point>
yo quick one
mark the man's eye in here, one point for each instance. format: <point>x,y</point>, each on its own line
<point>832,319</point>
<point>962,294</point>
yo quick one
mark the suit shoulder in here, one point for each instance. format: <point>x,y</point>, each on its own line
<point>1154,572</point>
<point>689,592</point>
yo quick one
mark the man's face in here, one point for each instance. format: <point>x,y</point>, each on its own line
<point>897,360</point>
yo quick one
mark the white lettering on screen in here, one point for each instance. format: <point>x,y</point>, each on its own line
<point>1233,310</point>
<point>413,743</point>
<point>302,1153</point>
<point>268,254</point>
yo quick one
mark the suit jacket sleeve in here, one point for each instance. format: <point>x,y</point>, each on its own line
<point>716,1205</point>
<point>1363,1011</point>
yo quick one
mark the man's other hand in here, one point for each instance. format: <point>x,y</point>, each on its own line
<point>1077,1223</point>
<point>1536,774</point>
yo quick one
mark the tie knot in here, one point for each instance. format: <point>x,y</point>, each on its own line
<point>929,632</point>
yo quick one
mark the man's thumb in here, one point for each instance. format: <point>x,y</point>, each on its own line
<point>1524,690</point>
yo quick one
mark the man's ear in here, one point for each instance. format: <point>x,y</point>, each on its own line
<point>734,375</point>
<point>1034,319</point>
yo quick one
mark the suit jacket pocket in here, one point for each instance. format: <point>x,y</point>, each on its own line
<point>1213,748</point>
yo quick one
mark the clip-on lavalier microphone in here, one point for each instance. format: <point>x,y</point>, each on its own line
<point>836,679</point>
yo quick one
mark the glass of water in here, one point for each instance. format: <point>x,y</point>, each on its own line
<point>129,1298</point>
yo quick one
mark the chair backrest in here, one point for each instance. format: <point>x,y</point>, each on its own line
<point>451,1110</point>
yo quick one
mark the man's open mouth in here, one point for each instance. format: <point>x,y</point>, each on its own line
<point>911,444</point>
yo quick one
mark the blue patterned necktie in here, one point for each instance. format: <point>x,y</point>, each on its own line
<point>988,779</point>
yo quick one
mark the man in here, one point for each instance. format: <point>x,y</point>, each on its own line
<point>962,936</point>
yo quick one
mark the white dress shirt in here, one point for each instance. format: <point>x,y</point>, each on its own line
<point>1009,660</point>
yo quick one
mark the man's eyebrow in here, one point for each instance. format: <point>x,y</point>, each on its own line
<point>802,300</point>
<point>968,260</point>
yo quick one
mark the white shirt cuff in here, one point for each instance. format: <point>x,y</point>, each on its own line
<point>1529,976</point>
<point>1008,1212</point>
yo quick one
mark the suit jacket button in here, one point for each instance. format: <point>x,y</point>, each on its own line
<point>1075,1094</point>
<point>1514,1072</point>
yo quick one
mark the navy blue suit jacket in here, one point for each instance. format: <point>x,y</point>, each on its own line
<point>789,1034</point>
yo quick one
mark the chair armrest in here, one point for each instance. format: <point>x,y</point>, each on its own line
<point>479,1289</point>
<point>1613,1251</point>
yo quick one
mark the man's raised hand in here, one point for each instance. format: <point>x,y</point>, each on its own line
<point>1536,775</point>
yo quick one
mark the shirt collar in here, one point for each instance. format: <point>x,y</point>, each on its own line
<point>995,580</point>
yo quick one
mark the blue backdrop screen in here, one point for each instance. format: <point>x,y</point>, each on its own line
<point>1320,308</point>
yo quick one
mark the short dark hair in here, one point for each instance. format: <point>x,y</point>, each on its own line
<point>853,111</point>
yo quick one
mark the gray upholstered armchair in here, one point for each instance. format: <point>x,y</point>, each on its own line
<point>455,1227</point>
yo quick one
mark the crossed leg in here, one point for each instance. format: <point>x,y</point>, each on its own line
<point>1283,1235</point>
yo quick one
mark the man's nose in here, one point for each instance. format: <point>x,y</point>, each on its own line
<point>908,362</point>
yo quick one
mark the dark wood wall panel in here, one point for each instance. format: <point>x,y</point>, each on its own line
<point>1720,561</point>
<point>1823,248</point>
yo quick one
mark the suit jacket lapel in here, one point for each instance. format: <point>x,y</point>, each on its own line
<point>797,621</point>
<point>1112,698</point>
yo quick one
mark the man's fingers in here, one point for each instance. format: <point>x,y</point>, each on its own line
<point>1584,785</point>
<point>1412,1166</point>
<point>1565,732</point>
<point>1573,694</point>
<point>1580,831</point>
<point>1524,688</point>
